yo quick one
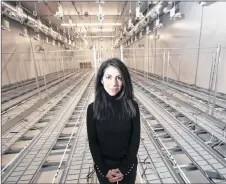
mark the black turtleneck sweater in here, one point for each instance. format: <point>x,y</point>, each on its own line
<point>114,139</point>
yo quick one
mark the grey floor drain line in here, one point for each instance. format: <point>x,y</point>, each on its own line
<point>168,155</point>
<point>59,167</point>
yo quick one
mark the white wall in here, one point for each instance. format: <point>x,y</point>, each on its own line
<point>18,59</point>
<point>183,34</point>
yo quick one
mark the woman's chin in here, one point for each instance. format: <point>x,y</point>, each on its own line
<point>111,93</point>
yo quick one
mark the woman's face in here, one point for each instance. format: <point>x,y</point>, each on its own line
<point>112,80</point>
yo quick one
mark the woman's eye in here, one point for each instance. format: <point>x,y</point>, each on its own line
<point>120,78</point>
<point>108,77</point>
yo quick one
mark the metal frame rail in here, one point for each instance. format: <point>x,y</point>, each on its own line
<point>25,87</point>
<point>201,104</point>
<point>21,99</point>
<point>21,110</point>
<point>207,161</point>
<point>79,160</point>
<point>22,83</point>
<point>9,95</point>
<point>26,167</point>
<point>16,132</point>
<point>200,95</point>
<point>200,123</point>
<point>153,158</point>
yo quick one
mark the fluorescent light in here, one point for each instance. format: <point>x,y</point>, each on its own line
<point>97,31</point>
<point>99,36</point>
<point>5,25</point>
<point>91,24</point>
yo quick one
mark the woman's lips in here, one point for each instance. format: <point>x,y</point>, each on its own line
<point>114,90</point>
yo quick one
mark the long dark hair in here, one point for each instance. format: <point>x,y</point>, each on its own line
<point>102,106</point>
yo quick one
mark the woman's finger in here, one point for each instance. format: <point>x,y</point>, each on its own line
<point>115,179</point>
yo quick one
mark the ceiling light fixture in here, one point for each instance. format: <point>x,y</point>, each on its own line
<point>5,25</point>
<point>37,37</point>
<point>139,15</point>
<point>53,42</point>
<point>100,36</point>
<point>90,24</point>
<point>24,32</point>
<point>47,39</point>
<point>59,13</point>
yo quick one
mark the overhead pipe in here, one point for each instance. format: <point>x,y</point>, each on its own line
<point>37,25</point>
<point>152,14</point>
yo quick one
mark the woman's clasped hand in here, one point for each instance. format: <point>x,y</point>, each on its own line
<point>114,175</point>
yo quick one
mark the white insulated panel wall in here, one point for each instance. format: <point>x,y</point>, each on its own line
<point>202,27</point>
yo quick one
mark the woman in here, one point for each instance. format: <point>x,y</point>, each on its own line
<point>113,125</point>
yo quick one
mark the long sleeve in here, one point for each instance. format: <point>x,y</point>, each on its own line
<point>93,143</point>
<point>130,161</point>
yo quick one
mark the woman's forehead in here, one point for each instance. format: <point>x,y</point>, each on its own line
<point>110,70</point>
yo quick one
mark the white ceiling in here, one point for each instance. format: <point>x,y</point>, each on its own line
<point>113,12</point>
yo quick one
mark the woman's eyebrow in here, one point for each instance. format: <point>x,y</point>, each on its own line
<point>111,75</point>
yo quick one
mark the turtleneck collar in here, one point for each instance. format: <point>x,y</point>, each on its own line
<point>111,98</point>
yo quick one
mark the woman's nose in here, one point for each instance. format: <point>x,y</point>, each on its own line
<point>114,82</point>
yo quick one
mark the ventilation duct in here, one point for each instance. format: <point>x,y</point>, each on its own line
<point>37,37</point>
<point>151,15</point>
<point>148,31</point>
<point>24,31</point>
<point>175,13</point>
<point>59,13</point>
<point>53,42</point>
<point>5,25</point>
<point>47,39</point>
<point>17,13</point>
<point>139,15</point>
<point>158,23</point>
<point>206,3</point>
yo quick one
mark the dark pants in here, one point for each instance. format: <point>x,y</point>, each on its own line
<point>113,164</point>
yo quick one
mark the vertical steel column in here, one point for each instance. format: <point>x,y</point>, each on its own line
<point>216,78</point>
<point>144,63</point>
<point>58,72</point>
<point>163,66</point>
<point>199,44</point>
<point>54,63</point>
<point>148,58</point>
<point>95,60</point>
<point>15,75</point>
<point>7,73</point>
<point>167,67</point>
<point>40,71</point>
<point>121,52</point>
<point>68,68</point>
<point>155,54</point>
<point>46,64</point>
<point>178,75</point>
<point>112,52</point>
<point>36,77</point>
<point>61,71</point>
<point>211,81</point>
<point>62,61</point>
<point>134,59</point>
<point>8,60</point>
<point>66,65</point>
<point>72,65</point>
<point>152,59</point>
<point>20,77</point>
<point>26,69</point>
